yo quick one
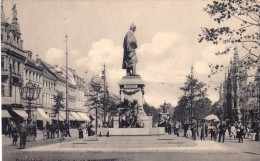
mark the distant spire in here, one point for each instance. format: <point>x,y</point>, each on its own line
<point>3,19</point>
<point>236,57</point>
<point>15,19</point>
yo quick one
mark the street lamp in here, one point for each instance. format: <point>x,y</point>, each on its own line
<point>30,92</point>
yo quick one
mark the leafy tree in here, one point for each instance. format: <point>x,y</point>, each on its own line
<point>58,99</point>
<point>105,103</point>
<point>150,110</point>
<point>181,109</point>
<point>244,15</point>
<point>217,110</point>
<point>194,99</point>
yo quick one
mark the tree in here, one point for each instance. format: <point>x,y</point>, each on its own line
<point>58,99</point>
<point>244,13</point>
<point>150,110</point>
<point>105,103</point>
<point>181,109</point>
<point>194,99</point>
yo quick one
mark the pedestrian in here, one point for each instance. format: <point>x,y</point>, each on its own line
<point>229,130</point>
<point>15,135</point>
<point>9,128</point>
<point>233,132</point>
<point>185,128</point>
<point>169,127</point>
<point>240,132</point>
<point>53,130</point>
<point>222,131</point>
<point>80,132</point>
<point>177,127</point>
<point>23,134</point>
<point>212,131</point>
<point>62,130</point>
<point>206,130</point>
<point>67,129</point>
<point>48,129</point>
<point>194,129</point>
<point>202,130</point>
<point>34,130</point>
<point>197,128</point>
<point>189,133</point>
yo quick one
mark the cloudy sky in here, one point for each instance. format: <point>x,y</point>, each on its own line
<point>167,36</point>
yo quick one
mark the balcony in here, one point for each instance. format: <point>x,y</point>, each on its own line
<point>17,75</point>
<point>4,72</point>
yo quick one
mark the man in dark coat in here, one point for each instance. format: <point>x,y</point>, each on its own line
<point>34,129</point>
<point>194,129</point>
<point>23,129</point>
<point>67,129</point>
<point>185,128</point>
<point>130,58</point>
<point>222,131</point>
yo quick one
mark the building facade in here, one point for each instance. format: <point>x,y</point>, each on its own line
<point>239,95</point>
<point>18,68</point>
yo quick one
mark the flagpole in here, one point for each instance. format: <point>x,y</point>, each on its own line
<point>67,101</point>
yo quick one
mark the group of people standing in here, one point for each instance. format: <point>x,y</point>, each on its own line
<point>216,129</point>
<point>21,130</point>
<point>62,130</point>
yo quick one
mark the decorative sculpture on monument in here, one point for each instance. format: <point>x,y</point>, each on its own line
<point>130,58</point>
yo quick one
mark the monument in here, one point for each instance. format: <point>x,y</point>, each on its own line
<point>164,115</point>
<point>132,85</point>
<point>135,120</point>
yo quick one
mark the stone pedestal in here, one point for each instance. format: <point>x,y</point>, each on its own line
<point>164,115</point>
<point>132,88</point>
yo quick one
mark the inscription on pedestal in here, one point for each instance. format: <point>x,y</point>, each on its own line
<point>130,86</point>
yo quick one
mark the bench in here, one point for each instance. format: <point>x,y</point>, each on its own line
<point>46,134</point>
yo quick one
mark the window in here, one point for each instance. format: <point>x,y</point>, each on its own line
<point>18,68</point>
<point>3,91</point>
<point>2,62</point>
<point>13,66</point>
<point>43,98</point>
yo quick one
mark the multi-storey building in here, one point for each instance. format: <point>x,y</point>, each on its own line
<point>13,58</point>
<point>18,68</point>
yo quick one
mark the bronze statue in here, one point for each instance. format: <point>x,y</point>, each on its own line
<point>130,58</point>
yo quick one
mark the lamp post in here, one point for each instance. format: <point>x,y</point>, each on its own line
<point>29,93</point>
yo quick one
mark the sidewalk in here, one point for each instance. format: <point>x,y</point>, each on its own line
<point>200,147</point>
<point>7,142</point>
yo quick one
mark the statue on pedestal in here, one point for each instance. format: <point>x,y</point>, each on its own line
<point>130,58</point>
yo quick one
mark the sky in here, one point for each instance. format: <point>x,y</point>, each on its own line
<point>167,37</point>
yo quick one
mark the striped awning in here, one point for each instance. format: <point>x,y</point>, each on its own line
<point>62,115</point>
<point>5,114</point>
<point>76,116</point>
<point>21,113</point>
<point>42,115</point>
<point>84,116</point>
<point>72,117</point>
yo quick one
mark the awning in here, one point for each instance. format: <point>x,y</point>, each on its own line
<point>5,114</point>
<point>21,113</point>
<point>76,116</point>
<point>84,116</point>
<point>42,115</point>
<point>62,116</point>
<point>73,117</point>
